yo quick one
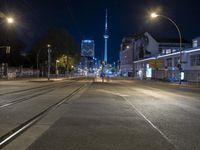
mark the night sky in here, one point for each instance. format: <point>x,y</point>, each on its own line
<point>85,19</point>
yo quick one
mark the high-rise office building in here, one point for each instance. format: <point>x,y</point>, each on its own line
<point>87,48</point>
<point>87,55</point>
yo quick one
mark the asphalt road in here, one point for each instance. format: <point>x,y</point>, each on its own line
<point>115,115</point>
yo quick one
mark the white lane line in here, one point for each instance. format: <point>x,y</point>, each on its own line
<point>158,130</point>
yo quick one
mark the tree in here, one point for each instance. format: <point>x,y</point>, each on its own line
<point>17,46</point>
<point>61,44</point>
<point>65,63</point>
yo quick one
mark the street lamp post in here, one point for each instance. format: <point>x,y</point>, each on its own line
<point>49,60</point>
<point>38,53</point>
<point>9,20</point>
<point>57,61</point>
<point>155,15</point>
<point>5,67</point>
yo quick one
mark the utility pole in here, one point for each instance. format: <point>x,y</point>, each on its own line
<point>38,71</point>
<point>49,60</point>
<point>57,72</point>
<point>5,66</point>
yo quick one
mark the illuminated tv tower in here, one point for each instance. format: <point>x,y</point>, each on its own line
<point>106,36</point>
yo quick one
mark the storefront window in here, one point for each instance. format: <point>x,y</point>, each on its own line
<point>195,60</point>
<point>169,62</point>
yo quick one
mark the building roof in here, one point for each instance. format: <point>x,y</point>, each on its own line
<point>160,39</point>
<point>170,40</point>
<point>198,37</point>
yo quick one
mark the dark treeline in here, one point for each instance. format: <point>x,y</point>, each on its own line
<point>9,37</point>
<point>62,44</point>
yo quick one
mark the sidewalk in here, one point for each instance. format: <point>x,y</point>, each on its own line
<point>46,80</point>
<point>183,84</point>
<point>187,84</point>
<point>37,79</point>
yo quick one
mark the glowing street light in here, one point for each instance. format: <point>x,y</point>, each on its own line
<point>10,20</point>
<point>48,45</point>
<point>155,15</point>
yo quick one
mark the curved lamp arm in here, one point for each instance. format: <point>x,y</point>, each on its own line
<point>179,32</point>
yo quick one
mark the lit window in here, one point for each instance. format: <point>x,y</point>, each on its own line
<point>168,51</point>
<point>195,43</point>
<point>174,50</point>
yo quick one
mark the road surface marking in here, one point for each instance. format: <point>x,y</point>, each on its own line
<point>146,119</point>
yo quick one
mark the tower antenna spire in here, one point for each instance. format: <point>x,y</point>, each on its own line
<point>106,36</point>
<point>106,21</point>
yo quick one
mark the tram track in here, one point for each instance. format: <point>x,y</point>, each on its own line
<point>14,133</point>
<point>22,98</point>
<point>35,88</point>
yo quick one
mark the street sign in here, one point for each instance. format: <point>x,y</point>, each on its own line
<point>152,63</point>
<point>156,63</point>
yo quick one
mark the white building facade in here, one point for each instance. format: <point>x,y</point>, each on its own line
<point>143,46</point>
<point>168,67</point>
